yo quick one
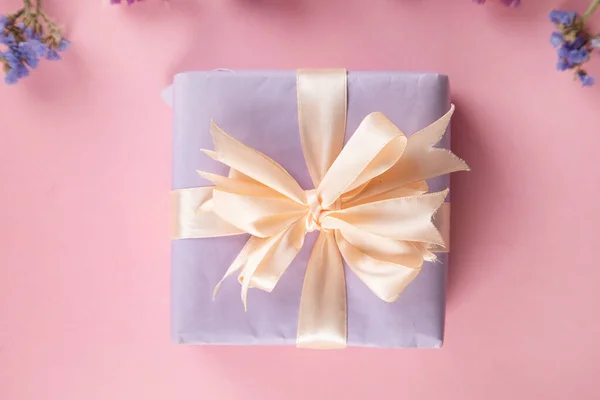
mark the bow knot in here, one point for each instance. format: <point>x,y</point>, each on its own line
<point>316,211</point>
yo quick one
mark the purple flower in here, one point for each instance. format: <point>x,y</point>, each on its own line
<point>3,22</point>
<point>595,42</point>
<point>511,3</point>
<point>28,55</point>
<point>27,40</point>
<point>578,42</point>
<point>7,39</point>
<point>12,59</point>
<point>11,77</point>
<point>52,55</point>
<point>563,51</point>
<point>556,39</point>
<point>40,48</point>
<point>562,65</point>
<point>22,71</point>
<point>16,68</point>
<point>562,17</point>
<point>578,56</point>
<point>63,45</point>
<point>19,56</point>
<point>585,79</point>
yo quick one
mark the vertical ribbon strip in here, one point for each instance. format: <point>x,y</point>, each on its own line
<point>370,203</point>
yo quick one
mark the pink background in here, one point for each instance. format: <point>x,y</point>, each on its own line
<point>85,154</point>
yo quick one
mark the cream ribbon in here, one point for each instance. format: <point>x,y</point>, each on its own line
<point>371,205</point>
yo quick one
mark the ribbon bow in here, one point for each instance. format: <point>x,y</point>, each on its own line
<point>370,203</point>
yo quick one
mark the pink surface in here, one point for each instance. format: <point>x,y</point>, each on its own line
<point>84,265</point>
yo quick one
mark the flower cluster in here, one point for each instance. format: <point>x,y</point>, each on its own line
<point>27,40</point>
<point>508,3</point>
<point>573,42</point>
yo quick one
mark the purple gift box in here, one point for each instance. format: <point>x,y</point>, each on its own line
<point>259,108</point>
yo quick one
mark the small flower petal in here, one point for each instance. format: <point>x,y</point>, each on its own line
<point>38,47</point>
<point>22,71</point>
<point>585,79</point>
<point>562,17</point>
<point>578,56</point>
<point>63,45</point>
<point>562,65</point>
<point>11,77</point>
<point>53,55</point>
<point>556,39</point>
<point>3,22</point>
<point>7,39</point>
<point>563,52</point>
<point>11,58</point>
<point>578,42</point>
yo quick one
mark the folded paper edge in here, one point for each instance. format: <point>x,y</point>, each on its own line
<point>167,95</point>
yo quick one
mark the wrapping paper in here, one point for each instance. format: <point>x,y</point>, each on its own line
<point>242,103</point>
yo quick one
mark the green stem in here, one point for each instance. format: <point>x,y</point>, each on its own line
<point>590,10</point>
<point>27,6</point>
<point>51,24</point>
<point>17,14</point>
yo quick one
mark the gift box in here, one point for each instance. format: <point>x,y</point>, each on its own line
<point>261,110</point>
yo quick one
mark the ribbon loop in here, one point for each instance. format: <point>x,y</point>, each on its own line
<point>371,205</point>
<point>374,148</point>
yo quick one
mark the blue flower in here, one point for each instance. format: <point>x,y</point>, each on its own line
<point>578,42</point>
<point>63,45</point>
<point>22,71</point>
<point>562,64</point>
<point>11,77</point>
<point>4,20</point>
<point>15,71</point>
<point>562,17</point>
<point>578,56</point>
<point>52,55</point>
<point>563,51</point>
<point>7,39</point>
<point>38,47</point>
<point>30,34</point>
<point>26,44</point>
<point>556,39</point>
<point>585,79</point>
<point>11,58</point>
<point>28,55</point>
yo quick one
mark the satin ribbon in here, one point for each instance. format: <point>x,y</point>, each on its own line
<point>370,204</point>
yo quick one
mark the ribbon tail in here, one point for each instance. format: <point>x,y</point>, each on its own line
<point>322,320</point>
<point>251,245</point>
<point>269,257</point>
<point>275,263</point>
<point>441,220</point>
